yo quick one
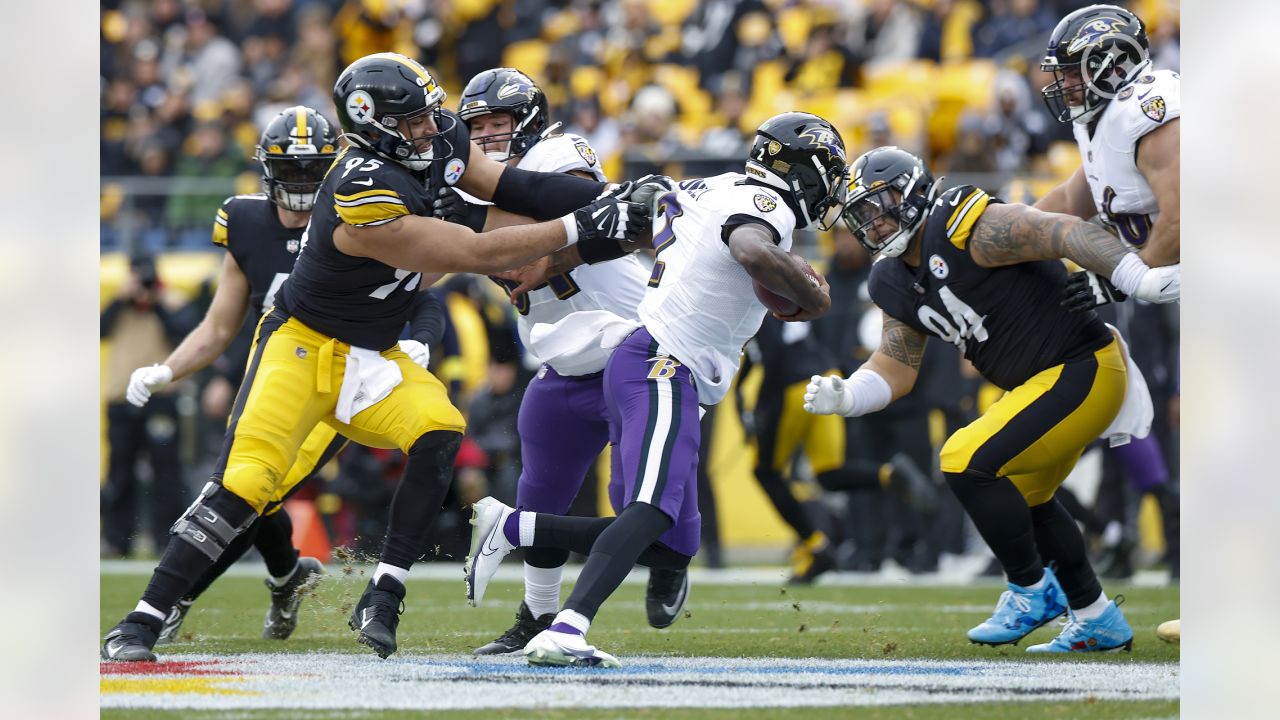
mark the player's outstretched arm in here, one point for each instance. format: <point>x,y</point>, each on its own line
<point>1011,234</point>
<point>1159,159</point>
<point>1070,198</point>
<point>753,248</point>
<point>887,375</point>
<point>541,196</point>
<point>202,345</point>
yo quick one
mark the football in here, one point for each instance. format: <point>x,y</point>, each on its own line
<point>777,303</point>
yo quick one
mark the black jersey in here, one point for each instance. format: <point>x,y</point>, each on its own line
<point>1006,320</point>
<point>359,300</point>
<point>248,226</point>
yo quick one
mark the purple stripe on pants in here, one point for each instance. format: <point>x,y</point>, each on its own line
<point>563,426</point>
<point>653,412</point>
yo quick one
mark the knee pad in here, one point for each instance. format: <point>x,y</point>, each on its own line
<point>214,520</point>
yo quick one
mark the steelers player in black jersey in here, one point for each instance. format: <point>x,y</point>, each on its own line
<point>262,233</point>
<point>327,352</point>
<point>987,277</point>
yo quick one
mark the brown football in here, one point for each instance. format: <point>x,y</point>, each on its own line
<point>777,303</point>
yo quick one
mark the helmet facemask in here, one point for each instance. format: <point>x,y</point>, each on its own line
<point>902,201</point>
<point>518,138</point>
<point>292,181</point>
<point>1092,58</point>
<point>396,144</point>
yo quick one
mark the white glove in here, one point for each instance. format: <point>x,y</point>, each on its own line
<point>1161,284</point>
<point>420,354</point>
<point>144,380</point>
<point>828,396</point>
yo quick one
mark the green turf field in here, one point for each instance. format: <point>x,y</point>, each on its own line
<point>759,620</point>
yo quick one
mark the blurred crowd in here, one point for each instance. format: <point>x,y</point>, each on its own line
<point>676,86</point>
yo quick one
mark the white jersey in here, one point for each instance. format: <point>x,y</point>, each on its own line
<point>701,307</point>
<point>1120,192</point>
<point>616,286</point>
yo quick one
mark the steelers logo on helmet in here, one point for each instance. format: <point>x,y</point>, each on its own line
<point>764,203</point>
<point>360,107</point>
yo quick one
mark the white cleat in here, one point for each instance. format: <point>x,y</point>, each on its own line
<point>488,546</point>
<point>557,649</point>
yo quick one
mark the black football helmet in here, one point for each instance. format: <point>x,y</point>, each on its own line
<point>803,156</point>
<point>888,182</point>
<point>1103,48</point>
<point>506,90</point>
<point>295,150</point>
<point>375,93</point>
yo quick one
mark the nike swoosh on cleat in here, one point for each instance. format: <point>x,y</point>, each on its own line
<point>489,547</point>
<point>671,609</point>
<point>365,618</point>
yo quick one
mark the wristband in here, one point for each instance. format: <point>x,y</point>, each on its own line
<point>570,230</point>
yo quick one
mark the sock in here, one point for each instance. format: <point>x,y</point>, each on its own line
<point>399,573</point>
<point>1060,543</point>
<point>511,527</point>
<point>1039,584</point>
<point>1093,610</point>
<point>568,621</point>
<point>542,589</point>
<point>274,541</point>
<point>281,580</point>
<point>144,607</point>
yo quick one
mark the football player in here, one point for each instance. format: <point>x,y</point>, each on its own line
<point>262,234</point>
<point>1126,116</point>
<point>988,277</point>
<point>327,351</point>
<point>716,236</point>
<point>563,422</point>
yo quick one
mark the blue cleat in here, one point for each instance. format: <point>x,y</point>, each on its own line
<point>1020,611</point>
<point>1108,632</point>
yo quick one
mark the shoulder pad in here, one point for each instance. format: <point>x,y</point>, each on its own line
<point>222,219</point>
<point>1152,100</point>
<point>369,197</point>
<point>960,208</point>
<point>562,153</point>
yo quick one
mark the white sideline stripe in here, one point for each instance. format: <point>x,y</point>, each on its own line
<point>767,575</point>
<point>439,682</point>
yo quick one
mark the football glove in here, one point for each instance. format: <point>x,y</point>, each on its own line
<point>828,396</point>
<point>1161,284</point>
<point>419,353</point>
<point>609,218</point>
<point>1086,290</point>
<point>144,380</point>
<point>450,207</point>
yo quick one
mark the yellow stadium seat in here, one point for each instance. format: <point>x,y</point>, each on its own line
<point>914,79</point>
<point>529,56</point>
<point>969,82</point>
<point>793,27</point>
<point>585,81</point>
<point>670,12</point>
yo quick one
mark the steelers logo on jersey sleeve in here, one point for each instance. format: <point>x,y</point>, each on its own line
<point>764,203</point>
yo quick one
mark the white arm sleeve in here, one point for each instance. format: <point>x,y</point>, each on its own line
<point>868,393</point>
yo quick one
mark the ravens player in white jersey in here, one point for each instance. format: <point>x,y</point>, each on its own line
<point>262,235</point>
<point>716,237</point>
<point>563,423</point>
<point>987,277</point>
<point>1126,116</point>
<point>327,351</point>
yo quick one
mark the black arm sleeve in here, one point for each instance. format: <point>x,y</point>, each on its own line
<point>543,196</point>
<point>427,324</point>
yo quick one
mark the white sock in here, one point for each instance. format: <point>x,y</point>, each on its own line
<point>145,607</point>
<point>1112,534</point>
<point>573,619</point>
<point>280,581</point>
<point>398,573</point>
<point>542,589</point>
<point>1039,584</point>
<point>526,530</point>
<point>1094,609</point>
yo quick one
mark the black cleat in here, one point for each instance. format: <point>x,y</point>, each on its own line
<point>519,634</point>
<point>377,615</point>
<point>282,616</point>
<point>172,623</point>
<point>664,599</point>
<point>132,639</point>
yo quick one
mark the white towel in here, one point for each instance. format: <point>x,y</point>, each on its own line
<point>368,379</point>
<point>1136,412</point>
<point>580,343</point>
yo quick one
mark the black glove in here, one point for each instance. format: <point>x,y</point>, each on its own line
<point>450,207</point>
<point>1085,290</point>
<point>607,223</point>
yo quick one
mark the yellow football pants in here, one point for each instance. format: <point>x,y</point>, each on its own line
<point>783,429</point>
<point>292,385</point>
<point>1036,432</point>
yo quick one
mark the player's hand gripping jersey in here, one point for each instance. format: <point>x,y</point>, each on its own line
<point>357,300</point>
<point>953,298</point>
<point>248,226</point>
<point>700,306</point>
<point>1109,151</point>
